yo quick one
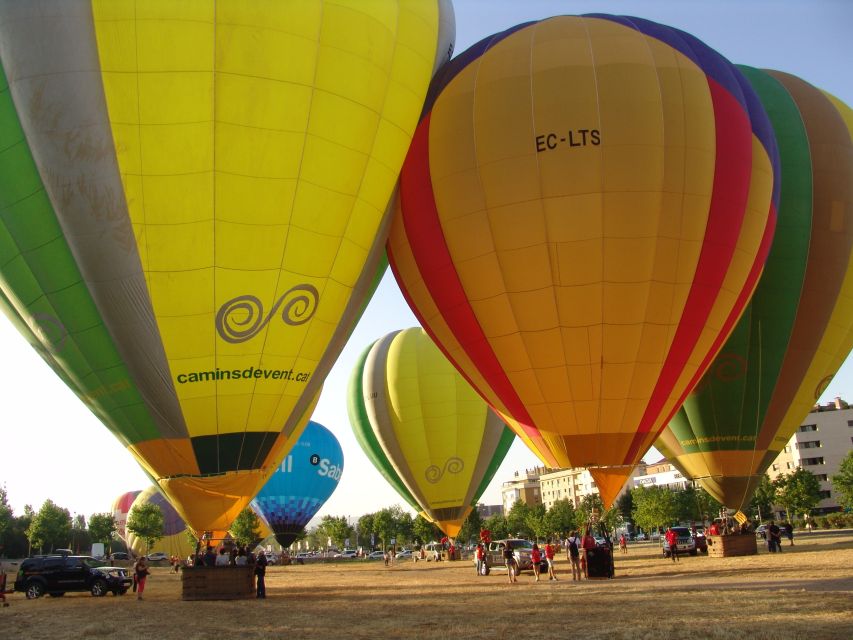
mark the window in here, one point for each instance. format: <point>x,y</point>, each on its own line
<point>813,427</point>
<point>850,423</point>
<point>812,461</point>
<point>787,448</point>
<point>811,444</point>
<point>789,465</point>
<point>821,477</point>
<point>775,467</point>
<point>825,494</point>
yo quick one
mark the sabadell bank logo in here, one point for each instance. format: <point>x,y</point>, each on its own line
<point>242,318</point>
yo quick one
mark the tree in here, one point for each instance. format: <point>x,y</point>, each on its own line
<point>385,525</point>
<point>470,530</point>
<point>365,529</point>
<point>146,522</point>
<point>535,522</point>
<point>335,527</point>
<point>50,527</point>
<point>589,503</point>
<point>102,528</point>
<point>842,481</point>
<point>560,519</point>
<point>798,492</point>
<point>516,519</point>
<point>763,499</point>
<point>424,531</point>
<point>246,528</point>
<point>625,505</point>
<point>654,507</point>
<point>497,524</point>
<point>6,518</point>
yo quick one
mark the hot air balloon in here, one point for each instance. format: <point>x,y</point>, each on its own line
<point>584,211</point>
<point>175,541</point>
<point>424,428</point>
<point>307,476</point>
<point>120,509</point>
<point>798,328</point>
<point>193,208</point>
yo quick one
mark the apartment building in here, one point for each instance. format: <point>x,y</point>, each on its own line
<point>524,486</point>
<point>820,444</point>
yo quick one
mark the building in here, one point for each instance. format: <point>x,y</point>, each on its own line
<point>820,443</point>
<point>661,474</point>
<point>573,484</point>
<point>489,510</point>
<point>524,486</point>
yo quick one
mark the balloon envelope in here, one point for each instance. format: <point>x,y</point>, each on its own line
<point>798,328</point>
<point>584,211</point>
<point>192,209</point>
<point>307,476</point>
<point>424,427</point>
<point>175,540</point>
<point>120,509</point>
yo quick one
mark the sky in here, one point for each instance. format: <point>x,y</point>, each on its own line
<point>52,447</point>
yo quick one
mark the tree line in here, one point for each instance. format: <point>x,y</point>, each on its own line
<point>53,527</point>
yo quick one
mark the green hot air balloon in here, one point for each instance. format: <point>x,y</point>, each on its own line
<point>424,427</point>
<point>798,328</point>
<point>193,205</point>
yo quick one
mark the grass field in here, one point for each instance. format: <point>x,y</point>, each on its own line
<point>804,592</point>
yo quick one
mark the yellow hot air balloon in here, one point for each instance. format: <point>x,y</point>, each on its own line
<point>424,428</point>
<point>193,203</point>
<point>175,541</point>
<point>584,212</point>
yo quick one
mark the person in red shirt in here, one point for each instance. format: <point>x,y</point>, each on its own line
<point>714,530</point>
<point>535,558</point>
<point>481,556</point>
<point>587,544</point>
<point>549,556</point>
<point>672,541</point>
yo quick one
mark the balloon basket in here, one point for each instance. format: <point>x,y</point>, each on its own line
<point>732,545</point>
<point>218,583</point>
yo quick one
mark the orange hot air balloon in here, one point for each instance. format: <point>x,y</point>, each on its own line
<point>584,212</point>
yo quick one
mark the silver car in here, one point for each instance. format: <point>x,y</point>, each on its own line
<point>521,550</point>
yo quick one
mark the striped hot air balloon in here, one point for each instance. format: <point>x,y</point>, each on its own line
<point>584,212</point>
<point>193,204</point>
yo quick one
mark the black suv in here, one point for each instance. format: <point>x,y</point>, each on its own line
<point>60,573</point>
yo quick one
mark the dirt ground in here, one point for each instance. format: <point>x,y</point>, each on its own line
<point>804,592</point>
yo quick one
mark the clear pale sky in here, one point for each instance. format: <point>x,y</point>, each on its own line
<point>52,447</point>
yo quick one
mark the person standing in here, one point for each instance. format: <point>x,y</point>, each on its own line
<point>588,545</point>
<point>623,543</point>
<point>509,561</point>
<point>774,537</point>
<point>536,559</point>
<point>672,541</point>
<point>140,572</point>
<point>261,572</point>
<point>788,529</point>
<point>550,551</point>
<point>481,557</point>
<point>573,550</point>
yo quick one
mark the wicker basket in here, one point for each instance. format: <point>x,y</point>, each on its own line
<point>218,583</point>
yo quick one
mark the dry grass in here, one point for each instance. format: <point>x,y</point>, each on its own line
<point>805,592</point>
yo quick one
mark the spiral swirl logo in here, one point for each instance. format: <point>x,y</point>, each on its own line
<point>822,385</point>
<point>727,367</point>
<point>242,318</point>
<point>434,473</point>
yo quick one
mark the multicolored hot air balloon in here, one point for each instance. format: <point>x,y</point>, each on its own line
<point>798,328</point>
<point>306,478</point>
<point>120,509</point>
<point>424,428</point>
<point>193,208</point>
<point>175,541</point>
<point>584,212</point>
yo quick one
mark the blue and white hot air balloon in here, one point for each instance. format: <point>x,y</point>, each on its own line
<point>304,481</point>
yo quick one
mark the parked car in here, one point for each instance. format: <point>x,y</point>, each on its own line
<point>119,555</point>
<point>375,555</point>
<point>761,531</point>
<point>349,553</point>
<point>59,574</point>
<point>404,554</point>
<point>521,553</point>
<point>156,556</point>
<point>641,536</point>
<point>686,543</point>
<point>700,540</point>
